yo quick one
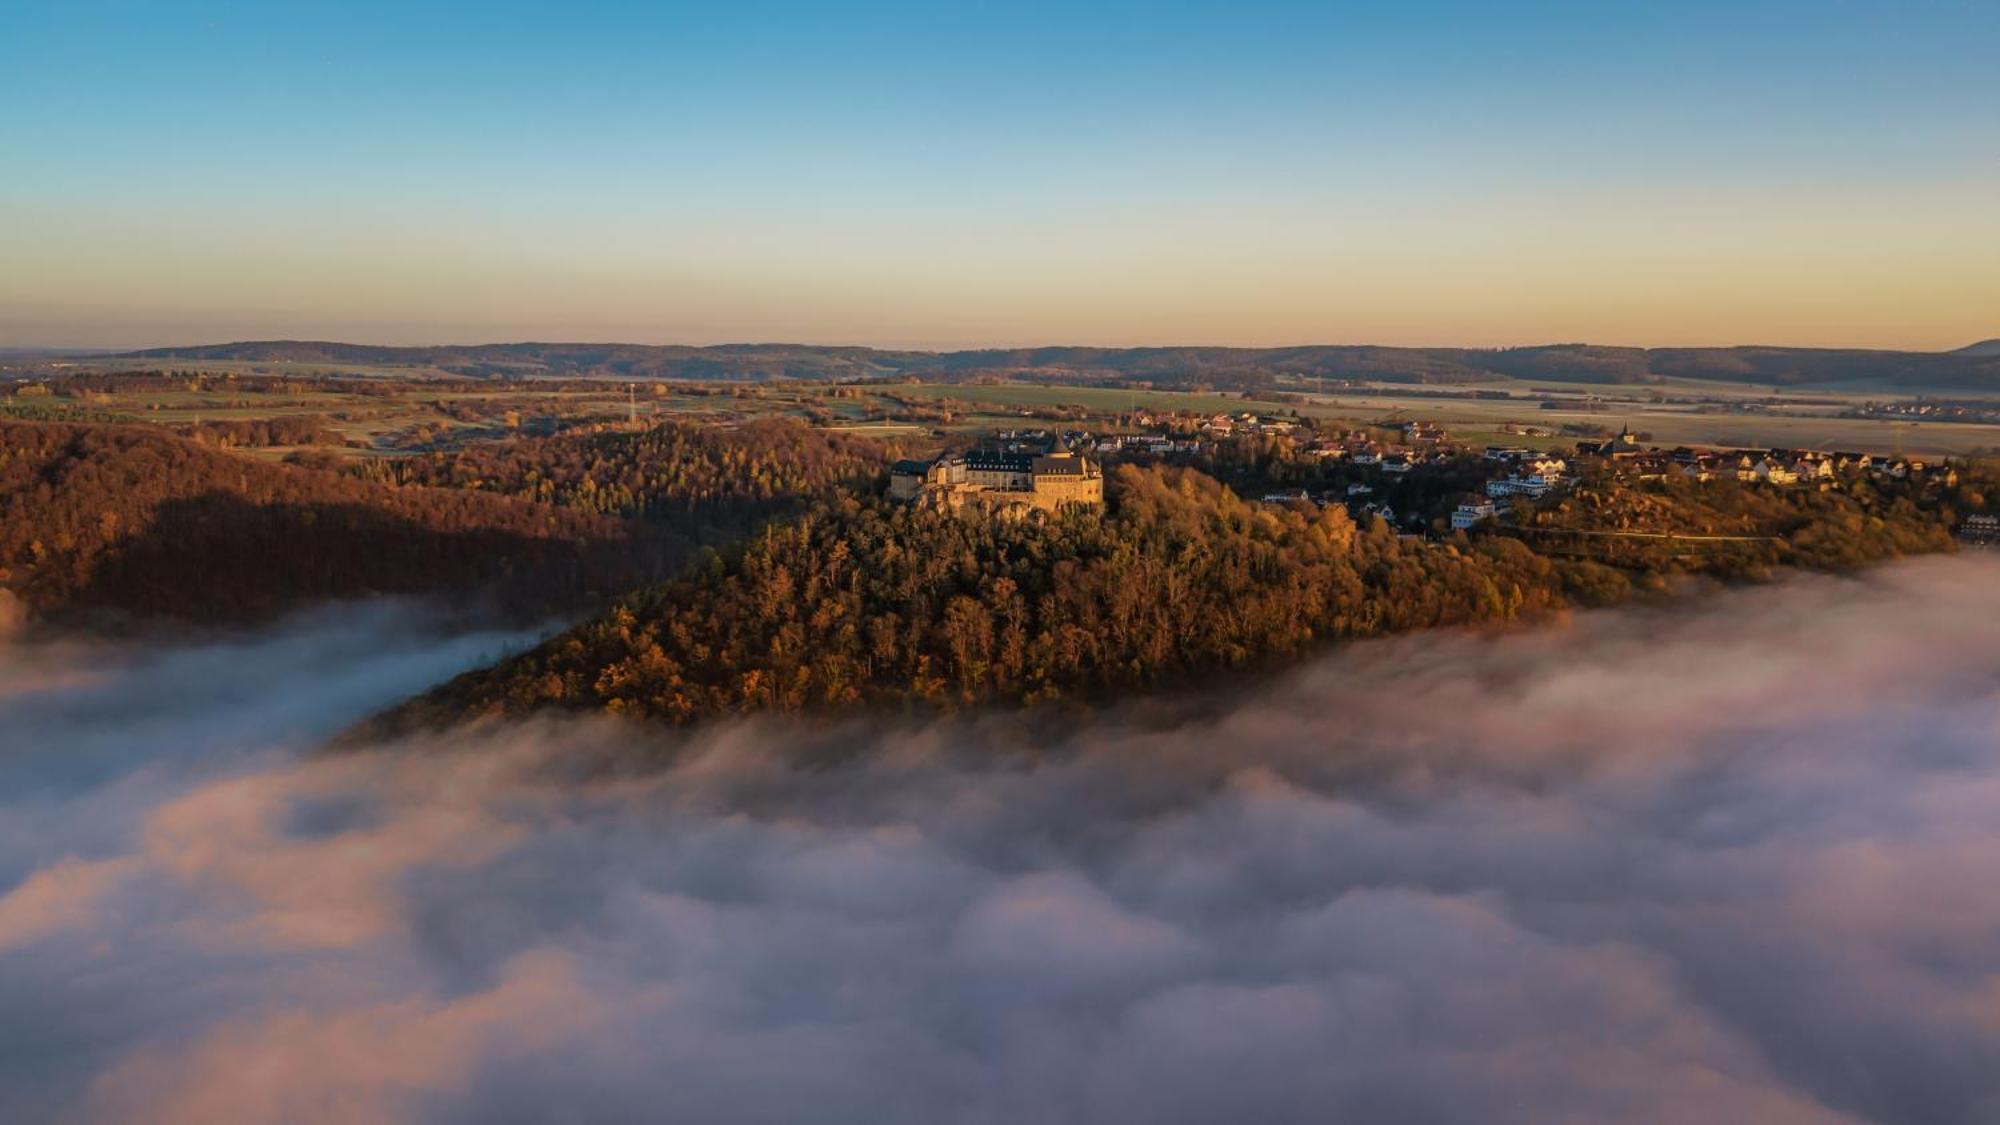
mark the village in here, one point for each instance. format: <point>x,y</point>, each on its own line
<point>1413,475</point>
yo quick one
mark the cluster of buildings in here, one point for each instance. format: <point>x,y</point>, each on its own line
<point>1980,531</point>
<point>1536,475</point>
<point>1530,474</point>
<point>1227,425</point>
<point>1152,445</point>
<point>1005,480</point>
<point>1932,410</point>
<point>1176,433</point>
<point>1043,469</point>
<point>1758,466</point>
<point>1357,447</point>
<point>1769,466</point>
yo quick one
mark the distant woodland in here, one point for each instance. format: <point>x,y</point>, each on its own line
<point>1221,367</point>
<point>135,521</point>
<point>139,522</point>
<point>263,433</point>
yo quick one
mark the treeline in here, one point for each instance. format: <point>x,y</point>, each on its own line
<point>263,433</point>
<point>1231,367</point>
<point>135,520</point>
<point>704,475</point>
<point>154,381</point>
<point>865,602</point>
<point>625,361</point>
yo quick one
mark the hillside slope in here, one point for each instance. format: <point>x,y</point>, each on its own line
<point>867,603</point>
<point>137,521</point>
<point>700,475</point>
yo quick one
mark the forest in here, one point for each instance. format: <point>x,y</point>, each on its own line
<point>864,603</point>
<point>1732,530</point>
<point>262,433</point>
<point>680,471</point>
<point>136,522</point>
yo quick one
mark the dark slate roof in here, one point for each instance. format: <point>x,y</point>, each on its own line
<point>913,468</point>
<point>999,462</point>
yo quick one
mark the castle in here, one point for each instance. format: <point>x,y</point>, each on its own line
<point>1000,481</point>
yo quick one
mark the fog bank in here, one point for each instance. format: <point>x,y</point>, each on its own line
<point>1731,862</point>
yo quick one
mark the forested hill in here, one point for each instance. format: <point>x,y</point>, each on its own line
<point>697,474</point>
<point>868,603</point>
<point>1963,370</point>
<point>638,361</point>
<point>135,521</point>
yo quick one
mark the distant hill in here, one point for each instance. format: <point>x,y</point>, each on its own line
<point>1977,367</point>
<point>134,521</point>
<point>636,361</point>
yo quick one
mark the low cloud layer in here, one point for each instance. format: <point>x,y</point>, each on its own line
<point>1733,862</point>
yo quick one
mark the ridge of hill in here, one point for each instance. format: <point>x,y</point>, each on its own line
<point>1971,368</point>
<point>863,602</point>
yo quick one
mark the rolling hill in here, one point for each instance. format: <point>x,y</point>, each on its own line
<point>1975,368</point>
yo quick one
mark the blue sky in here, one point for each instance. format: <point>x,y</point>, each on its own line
<point>986,173</point>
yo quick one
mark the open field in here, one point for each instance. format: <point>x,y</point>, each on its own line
<point>285,368</point>
<point>1670,425</point>
<point>1806,422</point>
<point>1100,399</point>
<point>445,413</point>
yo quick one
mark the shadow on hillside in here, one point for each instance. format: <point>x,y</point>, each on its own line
<point>220,559</point>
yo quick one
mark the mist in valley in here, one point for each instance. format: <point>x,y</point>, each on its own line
<point>1728,861</point>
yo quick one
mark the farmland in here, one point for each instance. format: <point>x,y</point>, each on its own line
<point>394,411</point>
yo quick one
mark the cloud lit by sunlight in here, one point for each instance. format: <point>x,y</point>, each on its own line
<point>1649,866</point>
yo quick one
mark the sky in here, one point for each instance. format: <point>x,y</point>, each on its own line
<point>1436,172</point>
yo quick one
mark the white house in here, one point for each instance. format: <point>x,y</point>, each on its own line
<point>1472,512</point>
<point>1773,472</point>
<point>1524,484</point>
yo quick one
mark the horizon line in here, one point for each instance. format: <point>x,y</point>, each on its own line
<point>132,352</point>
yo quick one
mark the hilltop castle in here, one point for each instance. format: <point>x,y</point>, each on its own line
<point>1000,481</point>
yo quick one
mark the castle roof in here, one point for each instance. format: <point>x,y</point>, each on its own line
<point>1064,466</point>
<point>991,461</point>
